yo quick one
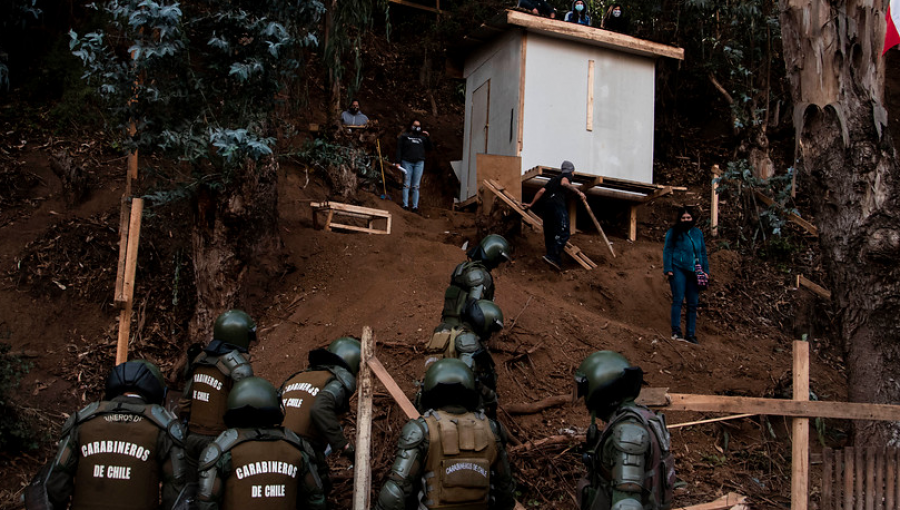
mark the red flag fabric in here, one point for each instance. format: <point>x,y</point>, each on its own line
<point>891,36</point>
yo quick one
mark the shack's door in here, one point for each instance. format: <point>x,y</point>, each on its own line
<point>478,136</point>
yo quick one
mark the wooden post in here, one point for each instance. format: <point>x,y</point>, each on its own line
<point>362,469</point>
<point>393,388</point>
<point>134,236</point>
<point>714,202</point>
<point>890,480</point>
<point>800,426</point>
<point>573,216</point>
<point>827,470</point>
<point>632,224</point>
<point>124,220</point>
<point>590,96</point>
<point>870,478</point>
<point>860,478</point>
<point>849,470</point>
<point>839,474</point>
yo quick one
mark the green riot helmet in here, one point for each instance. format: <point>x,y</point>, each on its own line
<point>344,352</point>
<point>236,328</point>
<point>491,251</point>
<point>485,318</point>
<point>605,379</point>
<point>449,381</point>
<point>253,402</point>
<point>139,376</point>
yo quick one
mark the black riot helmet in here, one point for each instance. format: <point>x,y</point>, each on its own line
<point>484,316</point>
<point>491,251</point>
<point>345,352</point>
<point>141,377</point>
<point>253,403</point>
<point>606,380</point>
<point>449,381</point>
<point>235,327</point>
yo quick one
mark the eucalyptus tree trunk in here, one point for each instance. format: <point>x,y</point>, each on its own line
<point>234,226</point>
<point>847,165</point>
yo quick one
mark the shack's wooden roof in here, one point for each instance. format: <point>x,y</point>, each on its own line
<point>569,31</point>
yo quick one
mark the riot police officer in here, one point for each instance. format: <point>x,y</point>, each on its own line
<point>468,342</point>
<point>629,465</point>
<point>256,464</point>
<point>116,453</point>
<point>451,456</point>
<point>472,280</point>
<point>315,398</point>
<point>211,374</point>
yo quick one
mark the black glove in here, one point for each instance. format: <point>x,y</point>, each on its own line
<point>349,452</point>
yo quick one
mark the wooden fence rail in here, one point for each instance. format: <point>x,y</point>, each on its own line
<point>860,479</point>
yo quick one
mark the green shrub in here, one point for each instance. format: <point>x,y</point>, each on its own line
<point>15,432</point>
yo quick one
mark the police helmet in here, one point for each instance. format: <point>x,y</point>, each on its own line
<point>253,402</point>
<point>449,381</point>
<point>491,251</point>
<point>484,316</point>
<point>606,379</point>
<point>236,328</point>
<point>344,351</point>
<point>139,376</point>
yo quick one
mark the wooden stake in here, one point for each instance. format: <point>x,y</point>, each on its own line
<point>362,470</point>
<point>590,96</point>
<point>848,478</point>
<point>393,388</point>
<point>827,470</point>
<point>124,220</point>
<point>800,426</point>
<point>632,224</point>
<point>599,228</point>
<point>710,420</point>
<point>714,202</point>
<point>134,235</point>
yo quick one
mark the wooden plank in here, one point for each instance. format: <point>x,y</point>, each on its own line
<point>603,38</point>
<point>362,467</point>
<point>849,470</point>
<point>806,225</point>
<point>124,221</point>
<point>393,388</point>
<point>827,472</point>
<point>727,501</point>
<point>838,479</point>
<point>573,215</point>
<point>895,456</point>
<point>708,420</point>
<point>661,192</point>
<point>466,203</point>
<point>534,172</point>
<point>816,289</point>
<point>714,202</point>
<point>590,96</point>
<point>134,236</point>
<point>627,184</point>
<point>350,208</point>
<point>520,136</point>
<point>860,478</point>
<point>870,478</point>
<point>879,479</point>
<point>598,227</point>
<point>503,170</point>
<point>329,216</point>
<point>632,224</point>
<point>780,407</point>
<point>654,397</point>
<point>354,228</point>
<point>800,426</point>
<point>890,479</point>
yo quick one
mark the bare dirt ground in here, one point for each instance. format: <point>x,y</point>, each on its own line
<point>65,324</point>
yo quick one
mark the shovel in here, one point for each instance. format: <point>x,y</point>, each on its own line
<point>384,195</point>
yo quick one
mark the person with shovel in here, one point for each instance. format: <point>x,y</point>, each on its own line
<point>554,213</point>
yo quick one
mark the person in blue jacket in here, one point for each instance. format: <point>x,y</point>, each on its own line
<point>683,250</point>
<point>579,13</point>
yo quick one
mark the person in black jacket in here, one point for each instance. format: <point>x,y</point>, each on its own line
<point>616,20</point>
<point>555,215</point>
<point>411,147</point>
<point>539,7</point>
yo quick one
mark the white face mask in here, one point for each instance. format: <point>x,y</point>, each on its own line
<point>617,13</point>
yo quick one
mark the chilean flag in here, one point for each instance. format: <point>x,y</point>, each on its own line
<point>891,37</point>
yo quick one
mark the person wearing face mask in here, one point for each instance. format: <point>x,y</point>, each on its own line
<point>579,13</point>
<point>684,248</point>
<point>616,20</point>
<point>353,117</point>
<point>411,147</point>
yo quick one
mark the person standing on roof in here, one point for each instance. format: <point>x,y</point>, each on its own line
<point>539,7</point>
<point>579,13</point>
<point>411,147</point>
<point>554,213</point>
<point>616,20</point>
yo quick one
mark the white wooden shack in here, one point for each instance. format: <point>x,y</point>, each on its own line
<point>546,90</point>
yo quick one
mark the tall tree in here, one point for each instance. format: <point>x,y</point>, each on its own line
<point>200,79</point>
<point>847,163</point>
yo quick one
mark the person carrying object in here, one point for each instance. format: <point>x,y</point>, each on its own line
<point>684,249</point>
<point>411,148</point>
<point>554,213</point>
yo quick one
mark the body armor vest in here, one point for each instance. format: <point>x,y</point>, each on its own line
<point>457,294</point>
<point>209,399</point>
<point>118,465</point>
<point>299,395</point>
<point>265,475</point>
<point>461,450</point>
<point>442,345</point>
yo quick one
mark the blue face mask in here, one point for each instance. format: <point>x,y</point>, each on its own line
<point>579,7</point>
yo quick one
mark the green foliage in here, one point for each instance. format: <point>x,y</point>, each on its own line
<point>351,21</point>
<point>321,153</point>
<point>15,433</point>
<point>198,78</point>
<point>14,15</point>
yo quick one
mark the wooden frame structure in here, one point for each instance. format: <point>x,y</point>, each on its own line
<point>369,215</point>
<point>634,192</point>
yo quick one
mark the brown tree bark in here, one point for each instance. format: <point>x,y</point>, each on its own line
<point>234,227</point>
<point>847,165</point>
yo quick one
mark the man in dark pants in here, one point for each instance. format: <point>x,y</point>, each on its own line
<point>554,213</point>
